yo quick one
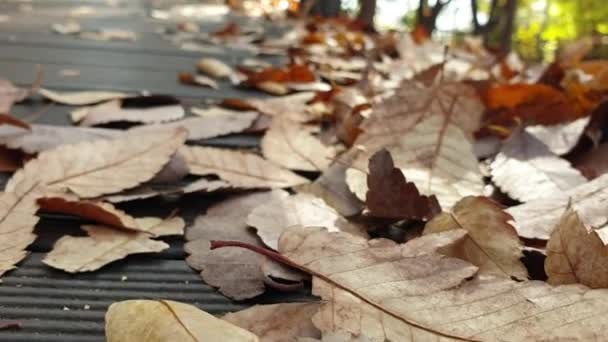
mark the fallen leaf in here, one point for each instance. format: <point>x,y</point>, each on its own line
<point>240,169</point>
<point>165,320</point>
<point>46,137</point>
<point>525,163</point>
<point>81,98</point>
<point>98,211</point>
<point>151,190</point>
<point>594,162</point>
<point>391,196</point>
<point>206,127</point>
<point>537,219</point>
<point>294,107</point>
<point>104,245</point>
<point>491,243</point>
<point>197,80</point>
<point>18,125</point>
<point>10,94</point>
<point>332,188</point>
<point>218,112</point>
<point>294,73</point>
<point>214,68</point>
<point>291,145</point>
<point>276,215</point>
<point>144,109</point>
<point>273,88</point>
<point>173,171</point>
<point>560,138</point>
<point>576,254</point>
<point>91,169</point>
<point>238,273</point>
<point>385,291</point>
<point>277,322</point>
<point>438,157</point>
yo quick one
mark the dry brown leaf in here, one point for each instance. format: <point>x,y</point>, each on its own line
<point>277,322</point>
<point>537,219</point>
<point>438,157</point>
<point>238,273</point>
<point>214,68</point>
<point>390,196</point>
<point>332,188</point>
<point>153,190</point>
<point>273,217</point>
<point>197,80</point>
<point>165,320</point>
<point>491,244</point>
<point>294,107</point>
<point>561,138</point>
<point>45,137</point>
<point>386,292</point>
<point>593,163</point>
<point>240,169</point>
<point>104,245</point>
<point>291,145</point>
<point>145,112</point>
<point>206,127</point>
<point>81,98</point>
<point>13,125</point>
<point>98,211</point>
<point>526,169</point>
<point>91,169</point>
<point>576,254</point>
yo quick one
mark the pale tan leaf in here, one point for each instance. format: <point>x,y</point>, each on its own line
<point>91,169</point>
<point>438,157</point>
<point>113,111</point>
<point>562,138</point>
<point>273,88</point>
<point>291,145</point>
<point>215,112</point>
<point>214,68</point>
<point>104,245</point>
<point>46,137</point>
<point>240,169</point>
<point>331,186</point>
<point>525,163</point>
<point>576,254</point>
<point>206,127</point>
<point>152,190</point>
<point>165,320</point>
<point>294,107</point>
<point>81,98</point>
<point>273,217</point>
<point>537,219</point>
<point>238,273</point>
<point>390,292</point>
<point>278,322</point>
<point>492,243</point>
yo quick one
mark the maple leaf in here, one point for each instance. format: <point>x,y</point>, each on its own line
<point>291,145</point>
<point>277,322</point>
<point>491,244</point>
<point>81,98</point>
<point>391,196</point>
<point>576,254</point>
<point>238,273</point>
<point>240,169</point>
<point>118,164</point>
<point>104,245</point>
<point>536,219</point>
<point>165,320</point>
<point>145,109</point>
<point>526,163</point>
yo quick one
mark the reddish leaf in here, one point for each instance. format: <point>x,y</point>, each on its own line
<point>391,196</point>
<point>231,29</point>
<point>6,119</point>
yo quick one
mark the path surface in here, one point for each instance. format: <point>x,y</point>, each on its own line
<point>50,304</point>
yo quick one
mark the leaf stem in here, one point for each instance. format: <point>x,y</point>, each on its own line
<point>260,250</point>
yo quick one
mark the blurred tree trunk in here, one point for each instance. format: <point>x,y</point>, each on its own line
<point>367,13</point>
<point>324,8</point>
<point>426,16</point>
<point>497,32</point>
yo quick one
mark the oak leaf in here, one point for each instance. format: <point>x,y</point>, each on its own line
<point>104,245</point>
<point>144,109</point>
<point>576,254</point>
<point>491,243</point>
<point>165,320</point>
<point>386,291</point>
<point>390,196</point>
<point>277,322</point>
<point>238,273</point>
<point>525,163</point>
<point>291,145</point>
<point>91,169</point>
<point>536,219</point>
<point>81,98</point>
<point>240,169</point>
